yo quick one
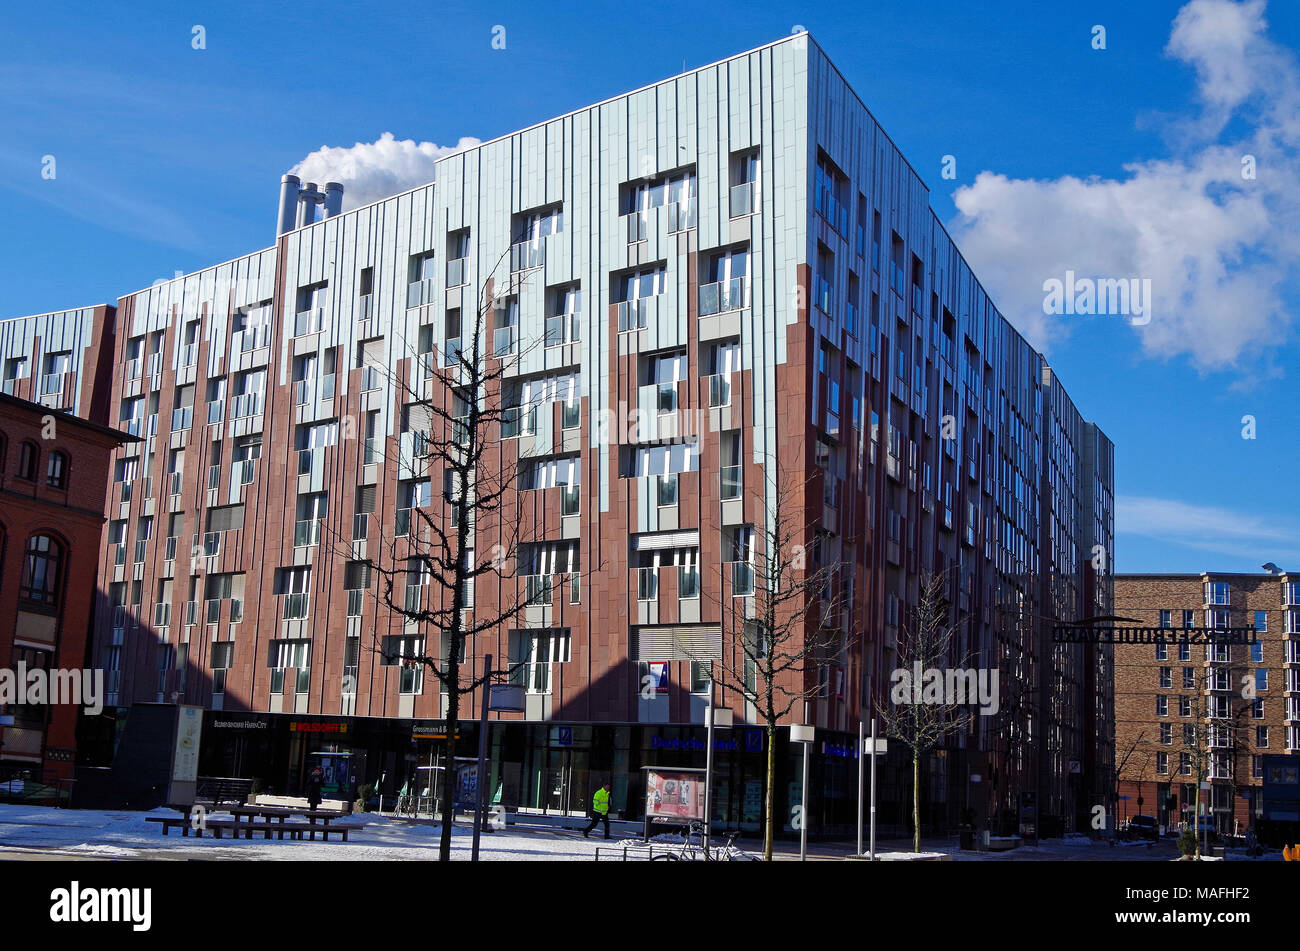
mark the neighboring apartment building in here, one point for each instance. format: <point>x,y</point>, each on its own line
<point>1184,709</point>
<point>53,477</point>
<point>743,255</point>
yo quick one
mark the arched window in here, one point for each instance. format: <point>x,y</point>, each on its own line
<point>42,571</point>
<point>29,458</point>
<point>56,471</point>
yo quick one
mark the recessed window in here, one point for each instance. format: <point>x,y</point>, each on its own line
<point>42,564</point>
<point>29,455</point>
<point>56,471</point>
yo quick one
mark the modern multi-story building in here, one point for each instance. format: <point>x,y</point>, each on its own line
<point>741,257</point>
<point>1188,711</point>
<point>53,476</point>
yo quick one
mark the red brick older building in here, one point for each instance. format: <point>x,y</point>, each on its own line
<point>53,480</point>
<point>1187,713</point>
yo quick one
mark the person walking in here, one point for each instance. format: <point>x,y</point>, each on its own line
<point>599,810</point>
<point>313,788</point>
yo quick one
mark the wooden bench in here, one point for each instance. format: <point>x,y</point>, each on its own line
<point>174,822</point>
<point>338,828</point>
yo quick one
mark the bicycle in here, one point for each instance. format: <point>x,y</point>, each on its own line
<point>690,852</point>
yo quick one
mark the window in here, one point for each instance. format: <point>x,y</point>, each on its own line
<point>1217,592</point>
<point>406,653</point>
<point>1261,737</point>
<point>744,195</point>
<point>1261,678</point>
<point>1162,763</point>
<point>723,286</point>
<point>1165,619</point>
<point>632,290</point>
<point>1189,678</point>
<point>1184,651</point>
<point>56,471</point>
<point>1257,653</point>
<point>293,584</point>
<point>1162,651</point>
<point>532,652</point>
<point>41,578</point>
<point>1167,734</point>
<point>1189,619</point>
<point>564,315</point>
<point>290,655</point>
<point>1257,709</point>
<point>1166,677</point>
<point>29,455</point>
<point>223,658</point>
<point>1162,706</point>
<point>1261,621</point>
<point>830,195</point>
<point>1185,764</point>
<point>1184,706</point>
<point>675,192</point>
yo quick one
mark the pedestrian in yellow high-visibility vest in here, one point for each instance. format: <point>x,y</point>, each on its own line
<point>599,810</point>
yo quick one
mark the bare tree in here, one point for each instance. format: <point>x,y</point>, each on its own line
<point>1212,736</point>
<point>922,723</point>
<point>430,566</point>
<point>794,628</point>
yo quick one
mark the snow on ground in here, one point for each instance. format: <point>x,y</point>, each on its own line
<point>93,833</point>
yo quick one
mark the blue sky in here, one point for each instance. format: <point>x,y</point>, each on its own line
<point>1111,162</point>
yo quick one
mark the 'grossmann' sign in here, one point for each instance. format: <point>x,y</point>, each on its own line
<point>1097,634</point>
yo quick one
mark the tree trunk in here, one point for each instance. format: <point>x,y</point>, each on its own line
<point>768,824</point>
<point>916,800</point>
<point>449,772</point>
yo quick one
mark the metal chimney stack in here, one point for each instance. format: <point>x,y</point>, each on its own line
<point>288,204</point>
<point>333,199</point>
<point>298,203</point>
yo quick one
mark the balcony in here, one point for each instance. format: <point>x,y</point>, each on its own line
<point>742,579</point>
<point>723,296</point>
<point>647,584</point>
<point>538,589</point>
<point>411,603</point>
<point>732,482</point>
<point>631,314</point>
<point>504,341</point>
<point>308,321</point>
<point>451,352</point>
<point>182,418</point>
<point>570,500</point>
<point>518,421</point>
<point>419,293</point>
<point>360,526</point>
<point>245,405</point>
<point>457,272</point>
<point>295,605</point>
<point>562,329</point>
<point>216,411</point>
<point>681,216</point>
<point>527,255</point>
<point>635,227</point>
<point>743,199</point>
<point>306,532</point>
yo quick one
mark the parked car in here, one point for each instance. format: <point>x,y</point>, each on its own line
<point>1144,827</point>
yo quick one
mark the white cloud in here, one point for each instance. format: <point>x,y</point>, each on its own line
<point>1207,528</point>
<point>369,171</point>
<point>1219,249</point>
